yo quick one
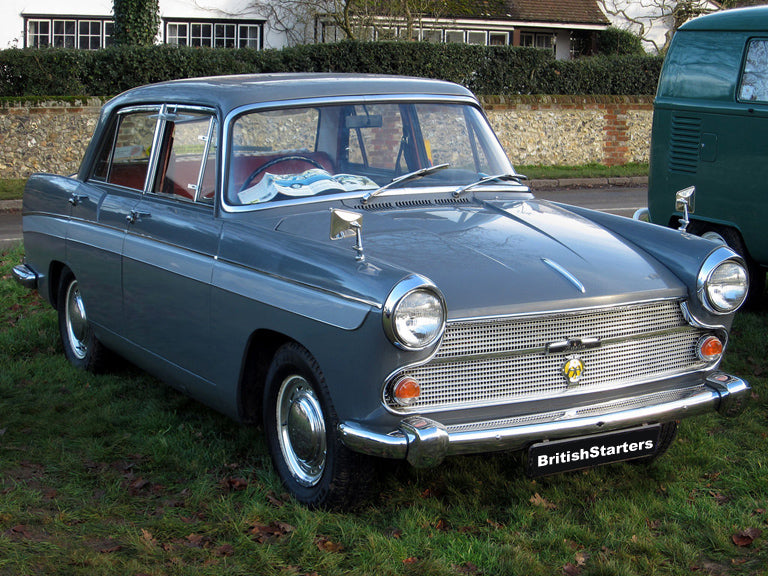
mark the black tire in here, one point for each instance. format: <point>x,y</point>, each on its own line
<point>301,429</point>
<point>733,239</point>
<point>81,347</point>
<point>666,437</point>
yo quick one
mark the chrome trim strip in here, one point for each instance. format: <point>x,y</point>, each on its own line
<point>565,274</point>
<point>723,393</point>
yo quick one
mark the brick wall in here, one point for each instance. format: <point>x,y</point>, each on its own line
<point>566,130</point>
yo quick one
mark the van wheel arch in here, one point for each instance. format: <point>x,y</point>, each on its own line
<point>732,238</point>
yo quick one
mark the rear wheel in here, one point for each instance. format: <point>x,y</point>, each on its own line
<point>301,429</point>
<point>81,347</point>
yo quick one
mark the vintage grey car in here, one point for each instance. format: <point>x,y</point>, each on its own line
<point>352,261</point>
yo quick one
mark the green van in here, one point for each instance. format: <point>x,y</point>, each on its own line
<point>710,132</point>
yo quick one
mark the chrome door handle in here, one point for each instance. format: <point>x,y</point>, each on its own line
<point>136,215</point>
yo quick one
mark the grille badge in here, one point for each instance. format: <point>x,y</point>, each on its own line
<point>573,370</point>
<point>573,345</point>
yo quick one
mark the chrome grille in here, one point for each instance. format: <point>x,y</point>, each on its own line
<point>505,360</point>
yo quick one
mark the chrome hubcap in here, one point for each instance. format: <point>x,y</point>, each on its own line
<point>301,430</point>
<point>76,321</point>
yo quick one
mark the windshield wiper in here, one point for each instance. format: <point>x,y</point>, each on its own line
<point>420,173</point>
<point>504,176</point>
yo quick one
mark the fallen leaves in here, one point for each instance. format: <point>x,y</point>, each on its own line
<point>538,500</point>
<point>746,537</point>
<point>268,533</point>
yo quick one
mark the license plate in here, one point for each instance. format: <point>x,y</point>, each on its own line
<point>558,456</point>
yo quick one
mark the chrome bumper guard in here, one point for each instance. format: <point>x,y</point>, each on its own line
<point>425,442</point>
<point>25,276</point>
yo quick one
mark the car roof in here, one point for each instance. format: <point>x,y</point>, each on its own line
<point>230,92</point>
<point>737,20</point>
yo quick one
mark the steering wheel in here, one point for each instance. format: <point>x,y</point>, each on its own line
<point>253,175</point>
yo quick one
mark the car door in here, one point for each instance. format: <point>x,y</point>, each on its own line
<point>99,211</point>
<point>170,246</point>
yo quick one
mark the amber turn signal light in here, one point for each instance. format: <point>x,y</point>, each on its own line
<point>406,391</point>
<point>710,348</point>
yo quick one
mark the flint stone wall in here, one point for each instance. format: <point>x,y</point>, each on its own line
<point>534,130</point>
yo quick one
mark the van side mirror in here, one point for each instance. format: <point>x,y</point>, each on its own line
<point>345,223</point>
<point>684,202</point>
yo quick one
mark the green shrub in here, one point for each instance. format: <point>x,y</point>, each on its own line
<point>616,42</point>
<point>483,69</point>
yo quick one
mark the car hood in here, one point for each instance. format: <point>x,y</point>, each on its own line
<point>495,258</point>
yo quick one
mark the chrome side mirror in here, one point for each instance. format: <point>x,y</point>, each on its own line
<point>684,202</point>
<point>344,224</point>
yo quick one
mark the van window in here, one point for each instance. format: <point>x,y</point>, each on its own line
<point>754,77</point>
<point>693,70</point>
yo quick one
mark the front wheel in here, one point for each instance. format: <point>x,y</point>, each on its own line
<point>300,425</point>
<point>81,347</point>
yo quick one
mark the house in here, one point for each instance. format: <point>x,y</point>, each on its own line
<point>567,27</point>
<point>655,21</point>
<point>88,24</point>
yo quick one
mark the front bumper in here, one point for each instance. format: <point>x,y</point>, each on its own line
<point>425,442</point>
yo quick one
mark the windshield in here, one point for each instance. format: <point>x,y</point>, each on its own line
<point>281,154</point>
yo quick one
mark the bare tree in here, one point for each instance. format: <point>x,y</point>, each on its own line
<point>655,21</point>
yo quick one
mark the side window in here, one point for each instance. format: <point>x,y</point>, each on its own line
<point>124,159</point>
<point>754,77</point>
<point>186,166</point>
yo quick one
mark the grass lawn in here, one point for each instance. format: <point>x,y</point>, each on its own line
<point>120,475</point>
<point>11,189</point>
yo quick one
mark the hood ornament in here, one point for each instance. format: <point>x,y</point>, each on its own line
<point>345,223</point>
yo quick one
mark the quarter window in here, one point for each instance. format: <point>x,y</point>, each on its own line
<point>186,163</point>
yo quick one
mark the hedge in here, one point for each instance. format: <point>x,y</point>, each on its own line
<point>483,69</point>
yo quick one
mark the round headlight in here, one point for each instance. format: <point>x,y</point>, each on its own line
<point>414,314</point>
<point>723,285</point>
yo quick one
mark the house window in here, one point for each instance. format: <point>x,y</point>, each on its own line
<point>201,34</point>
<point>454,36</point>
<point>214,33</point>
<point>64,35</point>
<point>432,36</point>
<point>38,33</point>
<point>499,38</point>
<point>88,32</point>
<point>250,36</point>
<point>474,37</point>
<point>536,40</point>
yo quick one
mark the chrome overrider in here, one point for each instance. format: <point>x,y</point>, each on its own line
<point>423,442</point>
<point>25,276</point>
